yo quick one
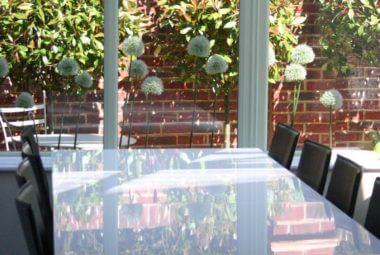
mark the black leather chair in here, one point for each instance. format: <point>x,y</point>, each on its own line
<point>372,222</point>
<point>314,165</point>
<point>29,144</point>
<point>35,232</point>
<point>344,184</point>
<point>284,144</point>
<point>31,169</point>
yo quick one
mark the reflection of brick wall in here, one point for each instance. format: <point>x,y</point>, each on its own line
<point>361,93</point>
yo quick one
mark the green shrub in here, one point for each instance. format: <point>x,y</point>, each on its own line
<point>350,32</point>
<point>219,22</point>
<point>35,35</point>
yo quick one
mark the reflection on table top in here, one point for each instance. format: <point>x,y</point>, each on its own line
<point>193,201</point>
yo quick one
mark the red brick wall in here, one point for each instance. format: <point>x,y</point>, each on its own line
<point>361,93</point>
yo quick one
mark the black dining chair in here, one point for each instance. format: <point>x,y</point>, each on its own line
<point>344,184</point>
<point>314,165</point>
<point>29,143</point>
<point>37,237</point>
<point>372,222</point>
<point>31,169</point>
<point>283,145</point>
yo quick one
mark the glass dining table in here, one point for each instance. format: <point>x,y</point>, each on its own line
<point>193,201</point>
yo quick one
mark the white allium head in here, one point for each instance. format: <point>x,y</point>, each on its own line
<point>303,54</point>
<point>271,56</point>
<point>199,46</point>
<point>152,85</point>
<point>332,98</point>
<point>216,64</point>
<point>68,67</point>
<point>138,69</point>
<point>4,69</point>
<point>133,46</point>
<point>294,73</point>
<point>84,80</point>
<point>24,100</point>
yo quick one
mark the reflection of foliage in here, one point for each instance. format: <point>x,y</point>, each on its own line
<point>281,192</point>
<point>350,28</point>
<point>132,211</point>
<point>202,224</point>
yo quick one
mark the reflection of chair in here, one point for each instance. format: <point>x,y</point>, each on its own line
<point>284,144</point>
<point>372,222</point>
<point>32,221</point>
<point>12,118</point>
<point>344,184</point>
<point>314,165</point>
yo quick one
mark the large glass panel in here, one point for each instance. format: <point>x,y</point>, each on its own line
<point>197,106</point>
<point>54,52</point>
<point>344,38</point>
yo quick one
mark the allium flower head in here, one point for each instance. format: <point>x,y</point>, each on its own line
<point>216,64</point>
<point>303,54</point>
<point>84,80</point>
<point>295,72</point>
<point>138,69</point>
<point>24,100</point>
<point>332,98</point>
<point>271,56</point>
<point>68,67</point>
<point>199,46</point>
<point>4,69</point>
<point>152,85</point>
<point>133,46</point>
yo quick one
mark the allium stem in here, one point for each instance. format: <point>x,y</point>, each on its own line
<point>330,128</point>
<point>130,118</point>
<point>195,99</point>
<point>213,121</point>
<point>296,96</point>
<point>149,119</point>
<point>124,116</point>
<point>227,126</point>
<point>62,113</point>
<point>77,124</point>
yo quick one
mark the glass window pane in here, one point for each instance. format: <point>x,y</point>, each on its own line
<point>346,60</point>
<point>180,116</point>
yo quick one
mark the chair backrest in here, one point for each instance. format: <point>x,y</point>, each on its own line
<point>13,118</point>
<point>31,169</point>
<point>35,232</point>
<point>314,165</point>
<point>344,184</point>
<point>372,222</point>
<point>284,144</point>
<point>29,144</point>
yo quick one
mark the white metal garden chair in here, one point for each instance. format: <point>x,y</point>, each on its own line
<point>15,118</point>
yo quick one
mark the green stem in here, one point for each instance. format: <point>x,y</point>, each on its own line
<point>213,119</point>
<point>78,116</point>
<point>62,114</point>
<point>125,104</point>
<point>149,119</point>
<point>194,103</point>
<point>227,134</point>
<point>296,96</point>
<point>330,128</point>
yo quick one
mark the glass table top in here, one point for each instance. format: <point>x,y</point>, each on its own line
<point>193,201</point>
